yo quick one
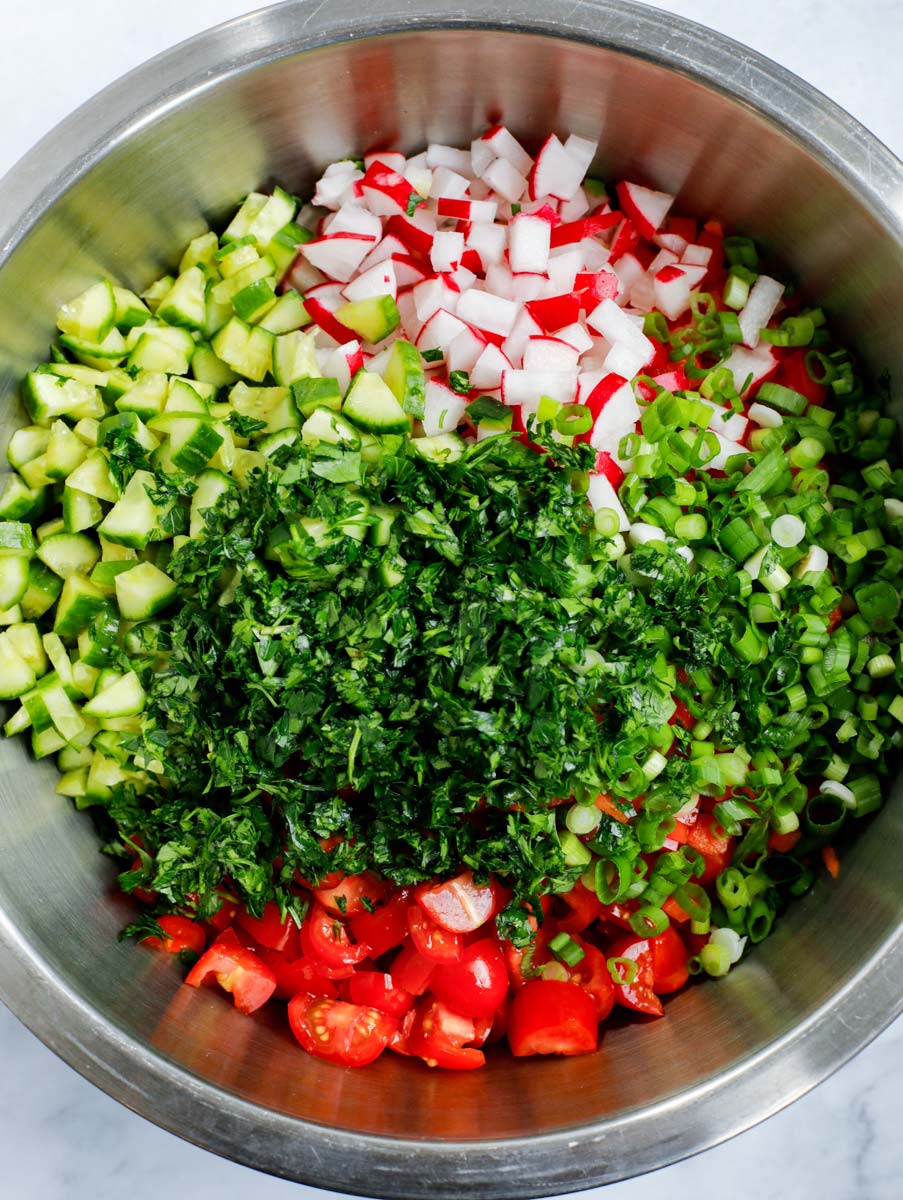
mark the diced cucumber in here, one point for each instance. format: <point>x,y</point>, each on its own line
<point>157,290</point>
<point>47,397</point>
<point>79,603</point>
<point>200,251</point>
<point>146,396</point>
<point>143,592</point>
<point>441,448</point>
<point>18,722</point>
<point>84,677</point>
<point>185,303</point>
<point>65,450</point>
<point>283,248</point>
<point>25,444</point>
<point>211,485</point>
<point>207,368</point>
<point>87,429</point>
<point>134,520</point>
<point>103,574</point>
<point>113,552</point>
<point>295,357</point>
<point>69,553</point>
<point>44,586</point>
<point>70,759</point>
<point>240,225</point>
<point>253,302</point>
<point>391,569</point>
<point>27,641</point>
<point>317,393</point>
<point>94,477</point>
<point>11,616</point>
<point>91,315</point>
<point>13,581</point>
<point>287,314</point>
<point>383,516</point>
<point>373,319</point>
<point>47,742</point>
<point>224,459</point>
<point>405,377</point>
<point>109,352</point>
<point>275,406</point>
<point>235,256</point>
<point>16,540</point>
<point>183,398</point>
<point>246,461</point>
<point>97,643</point>
<point>272,442</point>
<point>59,658</point>
<point>16,675</point>
<point>80,511</point>
<point>193,442</point>
<point>90,376</point>
<point>276,213</point>
<point>74,783</point>
<point>324,425</point>
<point>228,288</point>
<point>248,350</point>
<point>35,472</point>
<point>125,698</point>
<point>18,500</point>
<point>371,405</point>
<point>50,529</point>
<point>130,309</point>
<point>162,348</point>
<point>128,423</point>
<point>66,718</point>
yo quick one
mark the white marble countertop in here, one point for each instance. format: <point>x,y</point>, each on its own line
<point>60,1138</point>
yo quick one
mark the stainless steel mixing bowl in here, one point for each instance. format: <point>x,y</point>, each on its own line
<point>118,189</point>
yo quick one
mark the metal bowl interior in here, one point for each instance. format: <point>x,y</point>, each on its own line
<point>117,190</point>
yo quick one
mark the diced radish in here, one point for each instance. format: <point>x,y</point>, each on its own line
<point>624,359</point>
<point>593,288</point>
<point>465,350</point>
<point>749,368</point>
<point>408,271</point>
<point>673,381</point>
<point>334,184</point>
<point>601,494</point>
<point>482,156</point>
<point>581,150</point>
<point>586,227</point>
<point>343,362</point>
<point>645,207</point>
<point>438,155</point>
<point>322,317</point>
<point>388,247</point>
<point>393,160</point>
<point>414,237</point>
<point>525,388</point>
<point>553,312</point>
<point>466,209</point>
<point>616,412</point>
<point>384,190</point>
<point>671,241</point>
<point>528,243</point>
<point>486,375</point>
<point>607,466</point>
<point>519,288</point>
<point>549,354</point>
<point>411,324</point>
<point>378,281</point>
<point>377,363</point>
<point>617,326</point>
<point>488,241</point>
<point>764,298</point>
<point>504,145</point>
<point>672,286</point>
<point>439,331</point>
<point>338,255</point>
<point>302,275</point>
<point>556,172</point>
<point>505,179</point>
<point>446,251</point>
<point>462,278</point>
<point>515,343</point>
<point>625,239</point>
<point>576,208</point>
<point>420,177</point>
<point>328,295</point>
<point>442,409</point>
<point>450,184</point>
<point>629,271</point>
<point>664,258</point>
<point>726,449</point>
<point>354,218</point>
<point>433,294</point>
<point>642,294</point>
<point>765,417</point>
<point>564,266</point>
<point>697,256</point>
<point>488,312</point>
<point>595,255</point>
<point>575,335</point>
<point>725,421</point>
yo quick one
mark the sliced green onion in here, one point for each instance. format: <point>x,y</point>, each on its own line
<point>573,419</point>
<point>566,949</point>
<point>715,959</point>
<point>623,971</point>
<point>788,530</point>
<point>649,921</point>
<point>583,819</point>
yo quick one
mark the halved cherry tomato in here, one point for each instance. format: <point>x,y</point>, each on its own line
<point>669,961</point>
<point>458,904</point>
<point>619,912</point>
<point>431,940</point>
<point>713,844</point>
<point>552,1017</point>
<point>411,971</point>
<point>238,971</point>
<point>375,989</point>
<point>223,917</point>
<point>386,927</point>
<point>584,906</point>
<point>181,934</point>
<point>325,940</point>
<point>477,984</point>
<point>440,1036</point>
<point>339,1032</point>
<point>591,973</point>
<point>639,994</point>
<point>294,975</point>
<point>346,898</point>
<point>269,930</point>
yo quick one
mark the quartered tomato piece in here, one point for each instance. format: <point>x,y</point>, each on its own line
<point>584,907</point>
<point>669,961</point>
<point>294,975</point>
<point>400,1041</point>
<point>376,989</point>
<point>270,930</point>
<point>458,904</point>
<point>639,992</point>
<point>552,1017</point>
<point>440,1037</point>
<point>236,970</point>
<point>325,940</point>
<point>181,934</point>
<point>386,927</point>
<point>476,985</point>
<point>347,897</point>
<point>412,972</point>
<point>431,940</point>
<point>348,1034</point>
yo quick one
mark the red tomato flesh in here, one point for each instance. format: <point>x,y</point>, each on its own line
<point>181,934</point>
<point>458,905</point>
<point>552,1017</point>
<point>476,985</point>
<point>348,1034</point>
<point>238,971</point>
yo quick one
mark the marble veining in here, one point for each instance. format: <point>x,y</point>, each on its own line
<point>62,1139</point>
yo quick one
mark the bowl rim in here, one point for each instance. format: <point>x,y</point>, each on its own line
<point>364,1164</point>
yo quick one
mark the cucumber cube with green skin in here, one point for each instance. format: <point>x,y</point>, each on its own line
<point>27,641</point>
<point>80,511</point>
<point>16,676</point>
<point>65,451</point>
<point>91,315</point>
<point>108,353</point>
<point>294,358</point>
<point>228,288</point>
<point>405,377</point>
<point>18,500</point>
<point>240,225</point>
<point>126,423</point>
<point>18,722</point>
<point>157,290</point>
<point>247,461</point>
<point>73,784</point>
<point>283,248</point>
<point>248,350</point>
<point>372,319</point>
<point>97,643</point>
<point>25,444</point>
<point>143,592</point>
<point>207,368</point>
<point>69,553</point>
<point>11,616</point>
<point>35,472</point>
<point>64,715</point>
<point>50,529</point>
<point>16,540</point>
<point>79,603</point>
<point>185,303</point>
<point>235,255</point>
<point>134,519</point>
<point>125,698</point>
<point>255,301</point>
<point>70,759</point>
<point>271,442</point>
<point>200,251</point>
<point>324,425</point>
<point>84,678</point>
<point>130,309</point>
<point>88,430</point>
<point>13,580</point>
<point>103,574</point>
<point>275,406</point>
<point>46,743</point>
<point>146,396</point>
<point>94,477</point>
<point>286,315</point>
<point>441,448</point>
<point>46,396</point>
<point>317,393</point>
<point>193,442</point>
<point>275,214</point>
<point>186,397</point>
<point>384,518</point>
<point>43,588</point>
<point>90,376</point>
<point>211,486</point>
<point>162,348</point>
<point>59,658</point>
<point>371,405</point>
